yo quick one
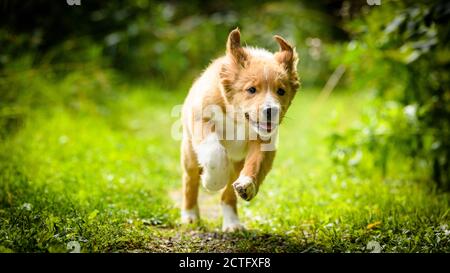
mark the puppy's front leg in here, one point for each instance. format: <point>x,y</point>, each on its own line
<point>212,156</point>
<point>257,165</point>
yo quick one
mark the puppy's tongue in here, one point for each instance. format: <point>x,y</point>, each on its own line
<point>266,126</point>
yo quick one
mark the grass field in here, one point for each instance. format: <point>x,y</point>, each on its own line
<point>103,171</point>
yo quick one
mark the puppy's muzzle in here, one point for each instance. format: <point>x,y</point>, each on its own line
<point>271,113</point>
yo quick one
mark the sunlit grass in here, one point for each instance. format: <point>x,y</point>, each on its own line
<point>102,173</point>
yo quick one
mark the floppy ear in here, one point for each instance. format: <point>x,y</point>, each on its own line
<point>234,48</point>
<point>286,55</point>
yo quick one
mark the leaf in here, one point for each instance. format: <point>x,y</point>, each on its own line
<point>406,54</point>
<point>395,24</point>
<point>374,225</point>
<point>93,214</point>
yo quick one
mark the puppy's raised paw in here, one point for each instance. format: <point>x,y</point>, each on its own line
<point>245,187</point>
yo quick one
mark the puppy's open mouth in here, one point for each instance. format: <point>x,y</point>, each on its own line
<point>266,126</point>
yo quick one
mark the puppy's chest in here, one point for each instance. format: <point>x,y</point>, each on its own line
<point>234,138</point>
<point>236,149</point>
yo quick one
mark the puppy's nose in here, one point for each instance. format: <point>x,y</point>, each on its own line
<point>270,112</point>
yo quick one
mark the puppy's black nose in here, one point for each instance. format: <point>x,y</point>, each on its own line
<point>270,112</point>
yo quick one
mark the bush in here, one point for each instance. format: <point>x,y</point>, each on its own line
<point>406,57</point>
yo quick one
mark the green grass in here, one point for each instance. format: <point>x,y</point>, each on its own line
<point>98,166</point>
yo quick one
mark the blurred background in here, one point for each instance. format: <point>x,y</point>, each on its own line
<point>397,50</point>
<point>86,91</point>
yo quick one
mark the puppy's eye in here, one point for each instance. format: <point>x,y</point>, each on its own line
<point>251,90</point>
<point>281,91</point>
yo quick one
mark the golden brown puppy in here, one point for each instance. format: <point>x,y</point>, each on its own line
<point>230,120</point>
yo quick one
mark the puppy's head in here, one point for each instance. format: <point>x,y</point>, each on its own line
<point>259,83</point>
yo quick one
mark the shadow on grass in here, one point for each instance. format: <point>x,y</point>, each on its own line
<point>198,240</point>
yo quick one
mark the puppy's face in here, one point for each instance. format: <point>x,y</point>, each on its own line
<point>259,84</point>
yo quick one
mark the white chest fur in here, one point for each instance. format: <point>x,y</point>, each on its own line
<point>234,138</point>
<point>236,149</point>
<point>235,143</point>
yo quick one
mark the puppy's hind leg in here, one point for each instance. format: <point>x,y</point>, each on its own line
<point>191,178</point>
<point>231,221</point>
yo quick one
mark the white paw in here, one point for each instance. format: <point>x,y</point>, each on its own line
<point>245,187</point>
<point>231,221</point>
<point>190,216</point>
<point>233,227</point>
<point>213,159</point>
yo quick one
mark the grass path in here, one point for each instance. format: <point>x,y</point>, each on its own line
<point>106,175</point>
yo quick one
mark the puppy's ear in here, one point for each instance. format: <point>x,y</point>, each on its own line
<point>234,48</point>
<point>286,55</point>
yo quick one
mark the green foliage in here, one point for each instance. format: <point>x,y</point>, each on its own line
<point>164,41</point>
<point>406,58</point>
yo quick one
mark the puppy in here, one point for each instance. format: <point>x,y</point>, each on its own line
<point>230,119</point>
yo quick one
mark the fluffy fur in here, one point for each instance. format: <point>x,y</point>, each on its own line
<point>231,111</point>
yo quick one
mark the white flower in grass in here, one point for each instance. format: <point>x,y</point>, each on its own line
<point>445,229</point>
<point>27,206</point>
<point>374,246</point>
<point>74,247</point>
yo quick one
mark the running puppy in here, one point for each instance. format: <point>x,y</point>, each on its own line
<point>230,119</point>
